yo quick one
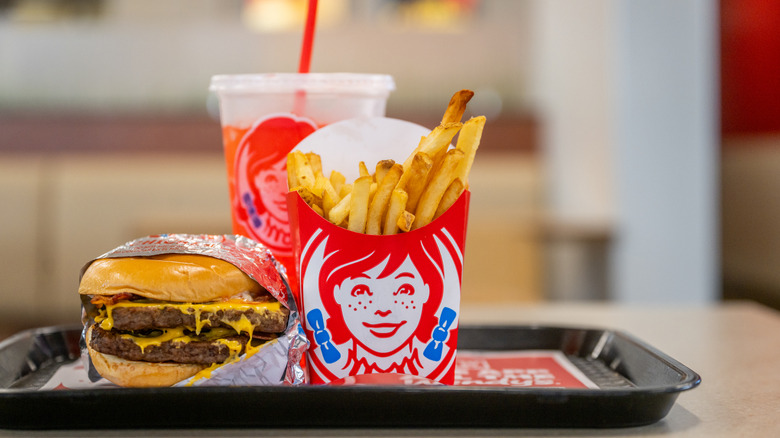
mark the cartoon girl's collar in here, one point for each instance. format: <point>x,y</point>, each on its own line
<point>405,360</point>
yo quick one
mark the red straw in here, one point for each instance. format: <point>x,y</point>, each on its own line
<point>308,38</point>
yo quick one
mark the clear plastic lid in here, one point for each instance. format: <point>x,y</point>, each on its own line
<point>349,83</point>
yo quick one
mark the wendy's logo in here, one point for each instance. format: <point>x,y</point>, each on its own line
<point>261,179</point>
<point>381,304</point>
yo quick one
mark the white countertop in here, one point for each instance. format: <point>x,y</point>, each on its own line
<point>735,347</point>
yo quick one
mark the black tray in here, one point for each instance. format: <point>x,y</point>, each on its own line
<point>637,385</point>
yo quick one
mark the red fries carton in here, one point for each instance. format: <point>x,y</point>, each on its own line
<point>377,303</point>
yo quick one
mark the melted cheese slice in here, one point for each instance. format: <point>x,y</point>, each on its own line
<point>235,350</point>
<point>174,335</point>
<point>177,335</point>
<point>243,325</point>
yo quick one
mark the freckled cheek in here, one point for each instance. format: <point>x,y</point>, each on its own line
<point>362,303</point>
<point>407,302</point>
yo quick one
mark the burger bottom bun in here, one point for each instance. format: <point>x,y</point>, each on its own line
<point>137,374</point>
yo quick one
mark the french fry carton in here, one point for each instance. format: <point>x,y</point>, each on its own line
<point>377,303</point>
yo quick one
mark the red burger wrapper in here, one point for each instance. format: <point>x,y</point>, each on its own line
<point>277,361</point>
<point>379,304</point>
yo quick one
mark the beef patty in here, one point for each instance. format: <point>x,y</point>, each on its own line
<point>139,318</point>
<point>197,351</point>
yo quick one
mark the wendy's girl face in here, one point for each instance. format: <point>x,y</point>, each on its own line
<point>383,313</point>
<point>272,185</point>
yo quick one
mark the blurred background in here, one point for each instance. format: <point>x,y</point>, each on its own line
<point>631,152</point>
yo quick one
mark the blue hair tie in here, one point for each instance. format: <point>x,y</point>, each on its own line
<point>251,211</point>
<point>435,348</point>
<point>321,336</point>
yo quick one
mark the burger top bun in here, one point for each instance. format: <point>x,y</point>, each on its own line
<point>129,373</point>
<point>167,277</point>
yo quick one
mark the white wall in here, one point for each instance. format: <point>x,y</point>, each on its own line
<point>628,92</point>
<point>572,88</point>
<point>667,149</point>
<point>159,56</point>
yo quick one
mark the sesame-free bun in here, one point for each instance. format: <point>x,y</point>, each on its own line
<point>168,277</point>
<point>136,374</point>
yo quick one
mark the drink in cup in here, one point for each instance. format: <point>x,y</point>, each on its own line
<point>263,117</point>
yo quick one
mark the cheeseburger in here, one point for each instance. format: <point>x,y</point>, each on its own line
<point>157,320</point>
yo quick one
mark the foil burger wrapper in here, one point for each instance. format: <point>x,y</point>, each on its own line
<point>277,362</point>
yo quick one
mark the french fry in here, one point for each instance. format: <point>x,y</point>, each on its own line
<point>299,166</point>
<point>315,162</point>
<point>363,169</point>
<point>437,160</point>
<point>345,190</point>
<point>317,209</point>
<point>413,180</point>
<point>449,197</point>
<point>292,178</point>
<point>340,212</point>
<point>405,221</point>
<point>337,179</point>
<point>328,193</point>
<point>395,210</point>
<point>371,190</point>
<point>358,209</point>
<point>457,106</point>
<point>379,202</point>
<point>381,169</point>
<point>468,142</point>
<point>309,196</point>
<point>436,141</point>
<point>329,200</point>
<point>440,180</point>
<point>319,185</point>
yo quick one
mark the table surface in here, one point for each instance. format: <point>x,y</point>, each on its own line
<point>735,347</point>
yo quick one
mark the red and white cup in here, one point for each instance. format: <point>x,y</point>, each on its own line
<point>263,117</point>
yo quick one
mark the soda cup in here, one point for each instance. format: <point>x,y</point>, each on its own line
<point>263,116</point>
